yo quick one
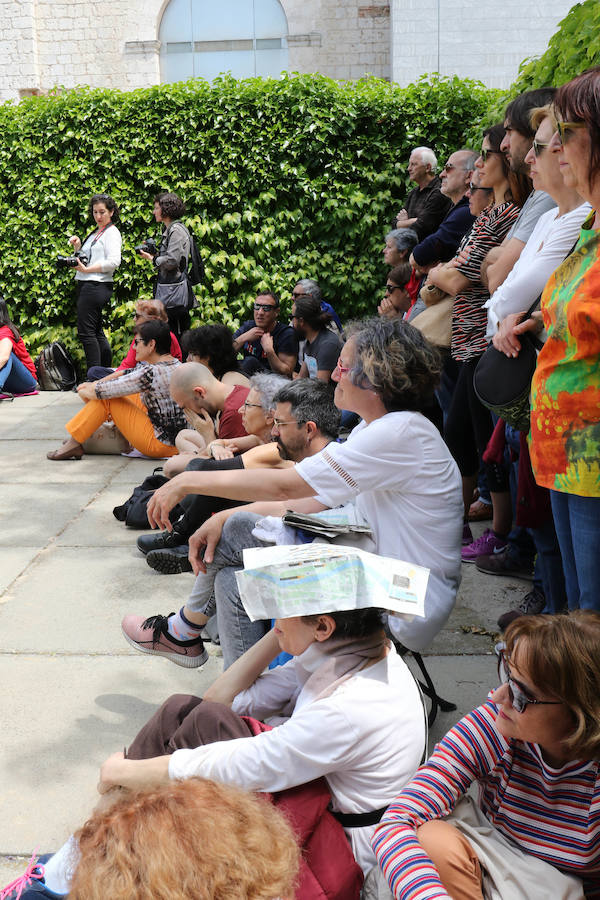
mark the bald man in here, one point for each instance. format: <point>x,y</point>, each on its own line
<point>203,397</point>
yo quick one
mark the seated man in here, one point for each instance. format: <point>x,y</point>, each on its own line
<point>394,468</point>
<point>425,205</point>
<point>202,397</point>
<point>321,348</point>
<point>309,404</point>
<point>264,342</point>
<point>442,244</point>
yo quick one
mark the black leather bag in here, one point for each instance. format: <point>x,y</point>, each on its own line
<point>503,383</point>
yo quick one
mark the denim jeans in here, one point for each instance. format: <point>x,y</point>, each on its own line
<point>236,632</point>
<point>548,574</point>
<point>16,377</point>
<point>577,522</point>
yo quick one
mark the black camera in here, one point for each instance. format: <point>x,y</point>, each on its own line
<point>149,246</point>
<point>69,262</point>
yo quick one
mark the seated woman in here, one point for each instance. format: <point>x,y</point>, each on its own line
<point>396,301</point>
<point>138,848</point>
<point>17,371</point>
<point>145,311</point>
<point>212,345</point>
<point>534,749</point>
<point>139,402</point>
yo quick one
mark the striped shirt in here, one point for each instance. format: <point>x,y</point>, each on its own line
<point>553,814</point>
<point>469,316</point>
<point>151,382</point>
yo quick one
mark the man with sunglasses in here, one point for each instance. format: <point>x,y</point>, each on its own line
<point>266,344</point>
<point>441,245</point>
<point>516,145</point>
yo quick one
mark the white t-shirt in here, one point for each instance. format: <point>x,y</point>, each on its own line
<point>105,250</point>
<point>366,739</point>
<point>405,483</point>
<point>550,241</point>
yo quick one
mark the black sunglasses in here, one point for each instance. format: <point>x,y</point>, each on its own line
<point>485,153</point>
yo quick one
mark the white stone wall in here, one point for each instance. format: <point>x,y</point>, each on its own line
<point>486,40</point>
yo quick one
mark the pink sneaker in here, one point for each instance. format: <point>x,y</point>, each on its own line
<point>152,636</point>
<point>486,544</point>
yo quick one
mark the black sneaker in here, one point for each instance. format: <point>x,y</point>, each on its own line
<point>170,562</point>
<point>532,604</point>
<point>165,540</point>
<point>504,563</point>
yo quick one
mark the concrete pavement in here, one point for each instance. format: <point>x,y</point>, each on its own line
<point>73,691</point>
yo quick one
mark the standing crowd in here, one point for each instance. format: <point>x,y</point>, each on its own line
<point>383,423</point>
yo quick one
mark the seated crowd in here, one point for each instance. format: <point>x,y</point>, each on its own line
<point>379,420</point>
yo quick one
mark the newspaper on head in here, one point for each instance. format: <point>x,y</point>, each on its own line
<point>283,581</point>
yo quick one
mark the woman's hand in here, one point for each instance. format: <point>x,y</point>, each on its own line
<point>201,422</point>
<point>75,243</point>
<point>80,267</point>
<point>132,774</point>
<point>203,542</point>
<point>87,390</point>
<point>506,339</point>
<point>217,450</point>
<point>145,255</point>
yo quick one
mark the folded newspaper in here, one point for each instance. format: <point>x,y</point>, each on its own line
<point>329,523</point>
<point>284,581</point>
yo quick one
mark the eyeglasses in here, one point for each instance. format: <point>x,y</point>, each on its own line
<point>343,369</point>
<point>566,129</point>
<point>485,153</point>
<point>448,167</point>
<point>519,697</point>
<point>477,187</point>
<point>267,307</point>
<point>539,147</point>
<point>256,405</point>
<point>277,423</point>
<point>390,288</point>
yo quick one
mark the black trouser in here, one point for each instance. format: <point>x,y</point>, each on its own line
<point>92,297</point>
<point>179,320</point>
<point>199,508</point>
<point>468,429</point>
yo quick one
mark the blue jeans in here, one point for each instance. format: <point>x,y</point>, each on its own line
<point>236,632</point>
<point>577,522</point>
<point>16,377</point>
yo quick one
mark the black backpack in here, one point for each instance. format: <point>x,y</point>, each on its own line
<point>196,271</point>
<point>55,368</point>
<point>134,511</point>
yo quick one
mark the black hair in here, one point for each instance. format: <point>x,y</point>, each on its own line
<point>354,623</point>
<point>109,204</point>
<point>5,319</point>
<point>519,184</point>
<point>312,401</point>
<point>517,112</point>
<point>213,342</point>
<point>309,309</point>
<point>268,294</point>
<point>400,274</point>
<point>171,205</point>
<point>157,331</point>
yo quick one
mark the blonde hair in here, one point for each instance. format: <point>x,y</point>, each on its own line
<point>152,309</point>
<point>537,116</point>
<point>562,655</point>
<point>188,840</point>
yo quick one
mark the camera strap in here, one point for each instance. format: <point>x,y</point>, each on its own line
<point>98,236</point>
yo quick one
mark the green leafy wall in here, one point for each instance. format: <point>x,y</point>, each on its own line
<point>290,178</point>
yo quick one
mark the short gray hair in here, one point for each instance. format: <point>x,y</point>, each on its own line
<point>428,157</point>
<point>266,385</point>
<point>403,238</point>
<point>310,287</point>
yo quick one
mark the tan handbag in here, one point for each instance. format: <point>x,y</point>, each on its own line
<point>107,440</point>
<point>435,322</point>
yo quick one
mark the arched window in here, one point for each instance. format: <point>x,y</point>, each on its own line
<point>205,38</point>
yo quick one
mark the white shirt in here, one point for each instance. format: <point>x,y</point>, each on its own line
<point>407,486</point>
<point>106,250</point>
<point>366,739</point>
<point>550,241</point>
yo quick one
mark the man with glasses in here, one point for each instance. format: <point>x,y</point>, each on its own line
<point>442,244</point>
<point>425,205</point>
<point>516,145</point>
<point>266,343</point>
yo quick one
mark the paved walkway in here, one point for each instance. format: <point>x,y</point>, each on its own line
<point>73,691</point>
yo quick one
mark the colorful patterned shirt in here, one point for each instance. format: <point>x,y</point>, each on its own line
<point>565,398</point>
<point>553,814</point>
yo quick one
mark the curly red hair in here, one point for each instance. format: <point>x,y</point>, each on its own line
<point>188,840</point>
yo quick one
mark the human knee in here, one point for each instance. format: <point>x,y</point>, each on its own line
<point>451,853</point>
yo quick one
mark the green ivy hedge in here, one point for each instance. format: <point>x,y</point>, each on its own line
<point>283,179</point>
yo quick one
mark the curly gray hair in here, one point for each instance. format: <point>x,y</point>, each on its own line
<point>266,385</point>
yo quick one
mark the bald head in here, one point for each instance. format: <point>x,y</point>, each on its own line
<point>193,386</point>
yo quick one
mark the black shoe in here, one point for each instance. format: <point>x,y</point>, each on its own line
<point>165,540</point>
<point>170,562</point>
<point>532,604</point>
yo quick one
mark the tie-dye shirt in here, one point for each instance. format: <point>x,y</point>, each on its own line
<point>565,396</point>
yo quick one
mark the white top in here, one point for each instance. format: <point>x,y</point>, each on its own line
<point>367,739</point>
<point>550,241</point>
<point>407,486</point>
<point>106,251</point>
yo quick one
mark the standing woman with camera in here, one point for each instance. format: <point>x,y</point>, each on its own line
<point>98,257</point>
<point>171,261</point>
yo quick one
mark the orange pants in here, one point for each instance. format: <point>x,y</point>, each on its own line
<point>129,415</point>
<point>454,858</point>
